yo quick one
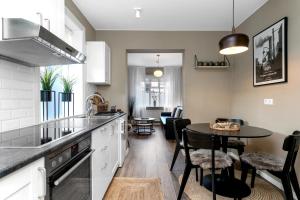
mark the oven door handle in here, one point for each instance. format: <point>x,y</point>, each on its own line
<point>65,175</point>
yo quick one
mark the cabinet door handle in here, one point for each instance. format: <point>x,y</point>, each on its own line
<point>41,17</point>
<point>104,166</point>
<point>104,148</point>
<point>42,170</point>
<point>48,24</point>
<point>65,175</point>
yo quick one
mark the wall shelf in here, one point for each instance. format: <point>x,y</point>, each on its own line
<point>225,64</point>
<point>211,67</point>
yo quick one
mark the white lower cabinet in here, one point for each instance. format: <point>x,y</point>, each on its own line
<point>104,159</point>
<point>114,156</point>
<point>27,183</point>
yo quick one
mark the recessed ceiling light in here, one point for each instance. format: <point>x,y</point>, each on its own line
<point>137,12</point>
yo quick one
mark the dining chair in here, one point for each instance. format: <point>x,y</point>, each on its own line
<point>283,169</point>
<point>179,125</point>
<point>208,156</point>
<point>234,143</point>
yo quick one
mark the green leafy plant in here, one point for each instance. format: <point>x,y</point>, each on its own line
<point>68,84</point>
<point>48,78</point>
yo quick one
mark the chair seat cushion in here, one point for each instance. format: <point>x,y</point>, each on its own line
<point>235,144</point>
<point>202,157</point>
<point>263,161</point>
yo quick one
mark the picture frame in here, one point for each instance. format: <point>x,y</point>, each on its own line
<point>270,54</point>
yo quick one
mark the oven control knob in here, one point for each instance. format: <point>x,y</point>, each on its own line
<point>60,159</point>
<point>53,164</point>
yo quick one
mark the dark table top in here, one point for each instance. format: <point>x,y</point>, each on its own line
<point>244,132</point>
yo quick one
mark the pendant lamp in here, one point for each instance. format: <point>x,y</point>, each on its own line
<point>234,43</point>
<point>158,72</point>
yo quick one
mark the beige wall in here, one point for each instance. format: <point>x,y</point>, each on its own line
<point>90,31</point>
<point>247,102</point>
<point>206,92</point>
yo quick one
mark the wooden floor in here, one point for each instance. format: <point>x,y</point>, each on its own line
<point>151,156</point>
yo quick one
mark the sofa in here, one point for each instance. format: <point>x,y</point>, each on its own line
<point>166,120</point>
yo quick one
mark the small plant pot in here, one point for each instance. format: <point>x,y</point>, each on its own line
<point>66,97</point>
<point>46,95</point>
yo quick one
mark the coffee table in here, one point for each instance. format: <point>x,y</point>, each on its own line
<point>144,125</point>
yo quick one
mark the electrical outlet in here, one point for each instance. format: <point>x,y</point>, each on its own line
<point>268,102</point>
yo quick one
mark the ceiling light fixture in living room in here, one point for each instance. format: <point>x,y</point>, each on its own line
<point>138,12</point>
<point>158,72</point>
<point>234,43</point>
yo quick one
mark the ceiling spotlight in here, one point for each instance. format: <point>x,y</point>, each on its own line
<point>137,12</point>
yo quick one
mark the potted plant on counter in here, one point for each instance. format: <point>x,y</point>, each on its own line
<point>48,78</point>
<point>67,88</point>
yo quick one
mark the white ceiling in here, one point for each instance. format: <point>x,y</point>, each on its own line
<point>149,59</point>
<point>169,15</point>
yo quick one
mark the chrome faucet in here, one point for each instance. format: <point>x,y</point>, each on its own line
<point>89,104</point>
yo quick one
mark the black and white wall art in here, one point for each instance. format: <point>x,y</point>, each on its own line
<point>270,54</point>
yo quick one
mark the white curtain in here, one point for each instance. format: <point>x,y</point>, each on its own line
<point>137,90</point>
<point>173,90</point>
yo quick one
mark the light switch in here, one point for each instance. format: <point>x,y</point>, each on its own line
<point>268,102</point>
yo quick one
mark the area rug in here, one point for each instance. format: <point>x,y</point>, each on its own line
<point>262,190</point>
<point>123,188</point>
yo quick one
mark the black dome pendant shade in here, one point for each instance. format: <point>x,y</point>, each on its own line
<point>234,43</point>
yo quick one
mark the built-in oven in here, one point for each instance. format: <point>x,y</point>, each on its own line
<point>69,171</point>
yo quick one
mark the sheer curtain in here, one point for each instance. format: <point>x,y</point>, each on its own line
<point>137,90</point>
<point>173,90</point>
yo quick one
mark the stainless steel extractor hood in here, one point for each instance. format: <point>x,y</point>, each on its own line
<point>33,45</point>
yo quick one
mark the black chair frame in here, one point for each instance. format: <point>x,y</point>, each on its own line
<point>179,125</point>
<point>198,141</point>
<point>288,174</point>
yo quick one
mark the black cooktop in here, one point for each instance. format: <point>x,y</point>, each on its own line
<point>36,136</point>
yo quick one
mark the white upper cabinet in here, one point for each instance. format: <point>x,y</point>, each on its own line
<point>98,63</point>
<point>53,10</point>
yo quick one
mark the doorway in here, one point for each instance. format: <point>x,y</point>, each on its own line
<point>154,82</point>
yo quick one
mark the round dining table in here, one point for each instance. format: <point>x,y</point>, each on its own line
<point>224,185</point>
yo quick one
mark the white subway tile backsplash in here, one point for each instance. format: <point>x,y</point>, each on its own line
<point>5,115</point>
<point>15,84</point>
<point>5,94</point>
<point>17,95</point>
<point>18,114</point>
<point>21,94</point>
<point>9,104</point>
<point>26,122</point>
<point>26,103</point>
<point>10,124</point>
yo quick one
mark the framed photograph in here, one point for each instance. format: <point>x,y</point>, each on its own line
<point>270,55</point>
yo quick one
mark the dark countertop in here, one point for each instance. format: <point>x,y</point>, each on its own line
<point>12,159</point>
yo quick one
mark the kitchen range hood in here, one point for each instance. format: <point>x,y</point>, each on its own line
<point>33,45</point>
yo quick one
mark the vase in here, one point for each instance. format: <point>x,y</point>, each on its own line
<point>154,103</point>
<point>66,97</point>
<point>46,95</point>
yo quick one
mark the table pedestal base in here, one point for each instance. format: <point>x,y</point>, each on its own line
<point>227,187</point>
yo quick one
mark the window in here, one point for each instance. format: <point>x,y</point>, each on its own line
<point>155,90</point>
<point>74,35</point>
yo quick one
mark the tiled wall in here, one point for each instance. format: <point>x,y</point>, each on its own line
<point>19,86</point>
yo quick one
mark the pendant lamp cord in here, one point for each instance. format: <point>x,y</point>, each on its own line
<point>233,27</point>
